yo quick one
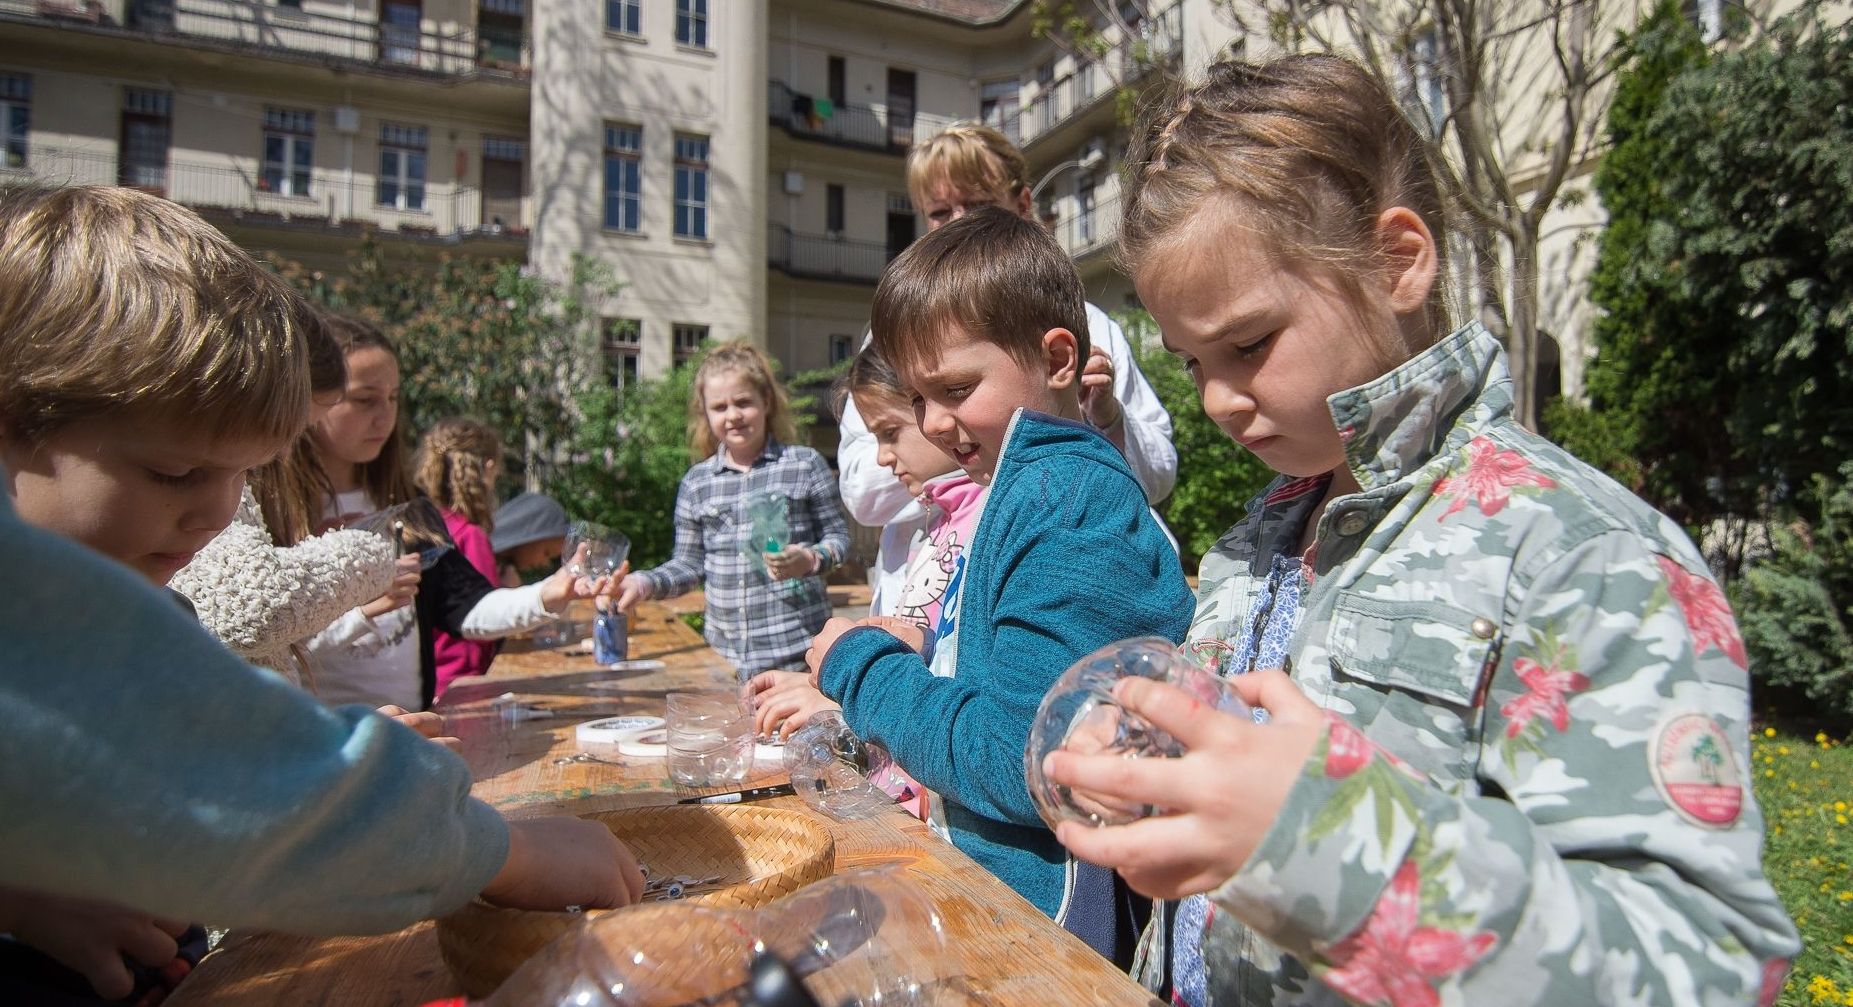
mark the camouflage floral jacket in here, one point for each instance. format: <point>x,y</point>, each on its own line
<point>1534,787</point>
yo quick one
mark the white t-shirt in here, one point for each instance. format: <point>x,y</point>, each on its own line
<point>360,660</point>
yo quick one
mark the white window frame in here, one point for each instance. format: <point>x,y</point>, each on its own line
<point>692,172</point>
<point>295,130</point>
<point>404,143</point>
<point>687,338</point>
<point>622,344</point>
<point>624,146</point>
<point>692,23</point>
<point>629,20</point>
<point>15,104</point>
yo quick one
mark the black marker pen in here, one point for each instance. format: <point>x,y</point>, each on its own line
<point>756,794</point>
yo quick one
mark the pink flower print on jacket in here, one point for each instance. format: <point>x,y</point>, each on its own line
<point>1708,615</point>
<point>1393,958</point>
<point>1547,685</point>
<point>1346,748</point>
<point>1490,478</point>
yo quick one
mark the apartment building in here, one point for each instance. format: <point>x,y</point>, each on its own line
<point>737,164</point>
<point>297,126</point>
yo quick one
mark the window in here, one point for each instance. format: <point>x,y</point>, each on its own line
<point>691,186</point>
<point>838,85</point>
<point>504,160</point>
<point>622,346</point>
<point>623,177</point>
<point>1045,93</point>
<point>833,210</point>
<point>688,340</point>
<point>692,23</point>
<point>15,117</point>
<point>841,349</point>
<point>147,121</point>
<point>1084,211</point>
<point>289,151</point>
<point>997,104</point>
<point>501,32</point>
<point>1084,77</point>
<point>624,16</point>
<point>401,22</point>
<point>402,167</point>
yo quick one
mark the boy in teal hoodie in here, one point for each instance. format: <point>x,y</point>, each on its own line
<point>984,320</point>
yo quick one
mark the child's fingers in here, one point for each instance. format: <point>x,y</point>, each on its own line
<point>1162,858</point>
<point>1113,778</point>
<point>1273,691</point>
<point>149,944</point>
<point>1174,711</point>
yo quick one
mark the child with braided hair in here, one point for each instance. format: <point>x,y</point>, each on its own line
<point>456,467</point>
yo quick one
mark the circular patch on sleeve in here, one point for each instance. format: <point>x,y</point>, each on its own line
<point>1696,772</point>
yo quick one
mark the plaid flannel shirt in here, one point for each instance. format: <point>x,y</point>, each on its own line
<point>751,620</point>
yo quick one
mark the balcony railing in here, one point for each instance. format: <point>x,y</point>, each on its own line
<point>252,24</point>
<point>879,129</point>
<point>1084,233</point>
<point>447,211</point>
<point>821,257</point>
<point>1158,42</point>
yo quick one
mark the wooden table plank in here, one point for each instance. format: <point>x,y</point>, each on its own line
<point>1004,950</point>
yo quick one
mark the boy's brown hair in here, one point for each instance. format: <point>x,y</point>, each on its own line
<point>112,299</point>
<point>992,274</point>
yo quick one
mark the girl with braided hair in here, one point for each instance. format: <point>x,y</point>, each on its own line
<point>1507,702</point>
<point>456,467</point>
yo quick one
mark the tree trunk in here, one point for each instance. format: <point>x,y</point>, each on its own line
<point>1523,339</point>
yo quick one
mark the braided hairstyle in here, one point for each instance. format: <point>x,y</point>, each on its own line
<point>451,468</point>
<point>1311,148</point>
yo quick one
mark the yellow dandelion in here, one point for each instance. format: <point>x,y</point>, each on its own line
<point>1845,896</point>
<point>1840,805</point>
<point>1814,763</point>
<point>1782,749</point>
<point>1769,772</point>
<point>1769,732</point>
<point>1820,736</point>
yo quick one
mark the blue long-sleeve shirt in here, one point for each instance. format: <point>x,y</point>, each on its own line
<point>1066,558</point>
<point>140,762</point>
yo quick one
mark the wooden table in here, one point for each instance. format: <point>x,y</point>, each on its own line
<point>1006,951</point>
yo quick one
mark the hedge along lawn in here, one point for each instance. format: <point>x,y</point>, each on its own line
<point>1805,786</point>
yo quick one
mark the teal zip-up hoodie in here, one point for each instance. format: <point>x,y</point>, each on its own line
<point>1066,558</point>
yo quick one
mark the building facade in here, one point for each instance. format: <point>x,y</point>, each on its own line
<point>737,165</point>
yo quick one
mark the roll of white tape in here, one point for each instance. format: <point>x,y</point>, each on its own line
<point>648,743</point>
<point>604,738</point>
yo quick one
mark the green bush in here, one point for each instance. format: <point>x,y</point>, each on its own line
<point>1215,476</point>
<point>1794,607</point>
<point>628,453</point>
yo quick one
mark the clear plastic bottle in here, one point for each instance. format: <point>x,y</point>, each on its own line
<point>834,770</point>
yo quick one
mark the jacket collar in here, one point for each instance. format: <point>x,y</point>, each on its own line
<point>1430,405</point>
<point>950,492</point>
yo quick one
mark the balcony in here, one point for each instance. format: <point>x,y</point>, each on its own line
<point>1085,233</point>
<point>1159,43</point>
<point>254,26</point>
<point>228,191</point>
<point>881,130</point>
<point>821,257</point>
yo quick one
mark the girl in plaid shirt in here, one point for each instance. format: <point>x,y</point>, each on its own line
<point>762,607</point>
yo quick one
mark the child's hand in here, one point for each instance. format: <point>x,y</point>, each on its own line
<point>89,937</point>
<point>1214,823</point>
<point>766,684</point>
<point>909,633</point>
<point>1097,398</point>
<point>792,561</point>
<point>788,705</point>
<point>631,590</point>
<point>821,644</point>
<point>557,591</point>
<point>400,592</point>
<point>558,862</point>
<point>429,724</point>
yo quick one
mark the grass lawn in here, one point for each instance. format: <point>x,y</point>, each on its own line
<point>1805,784</point>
